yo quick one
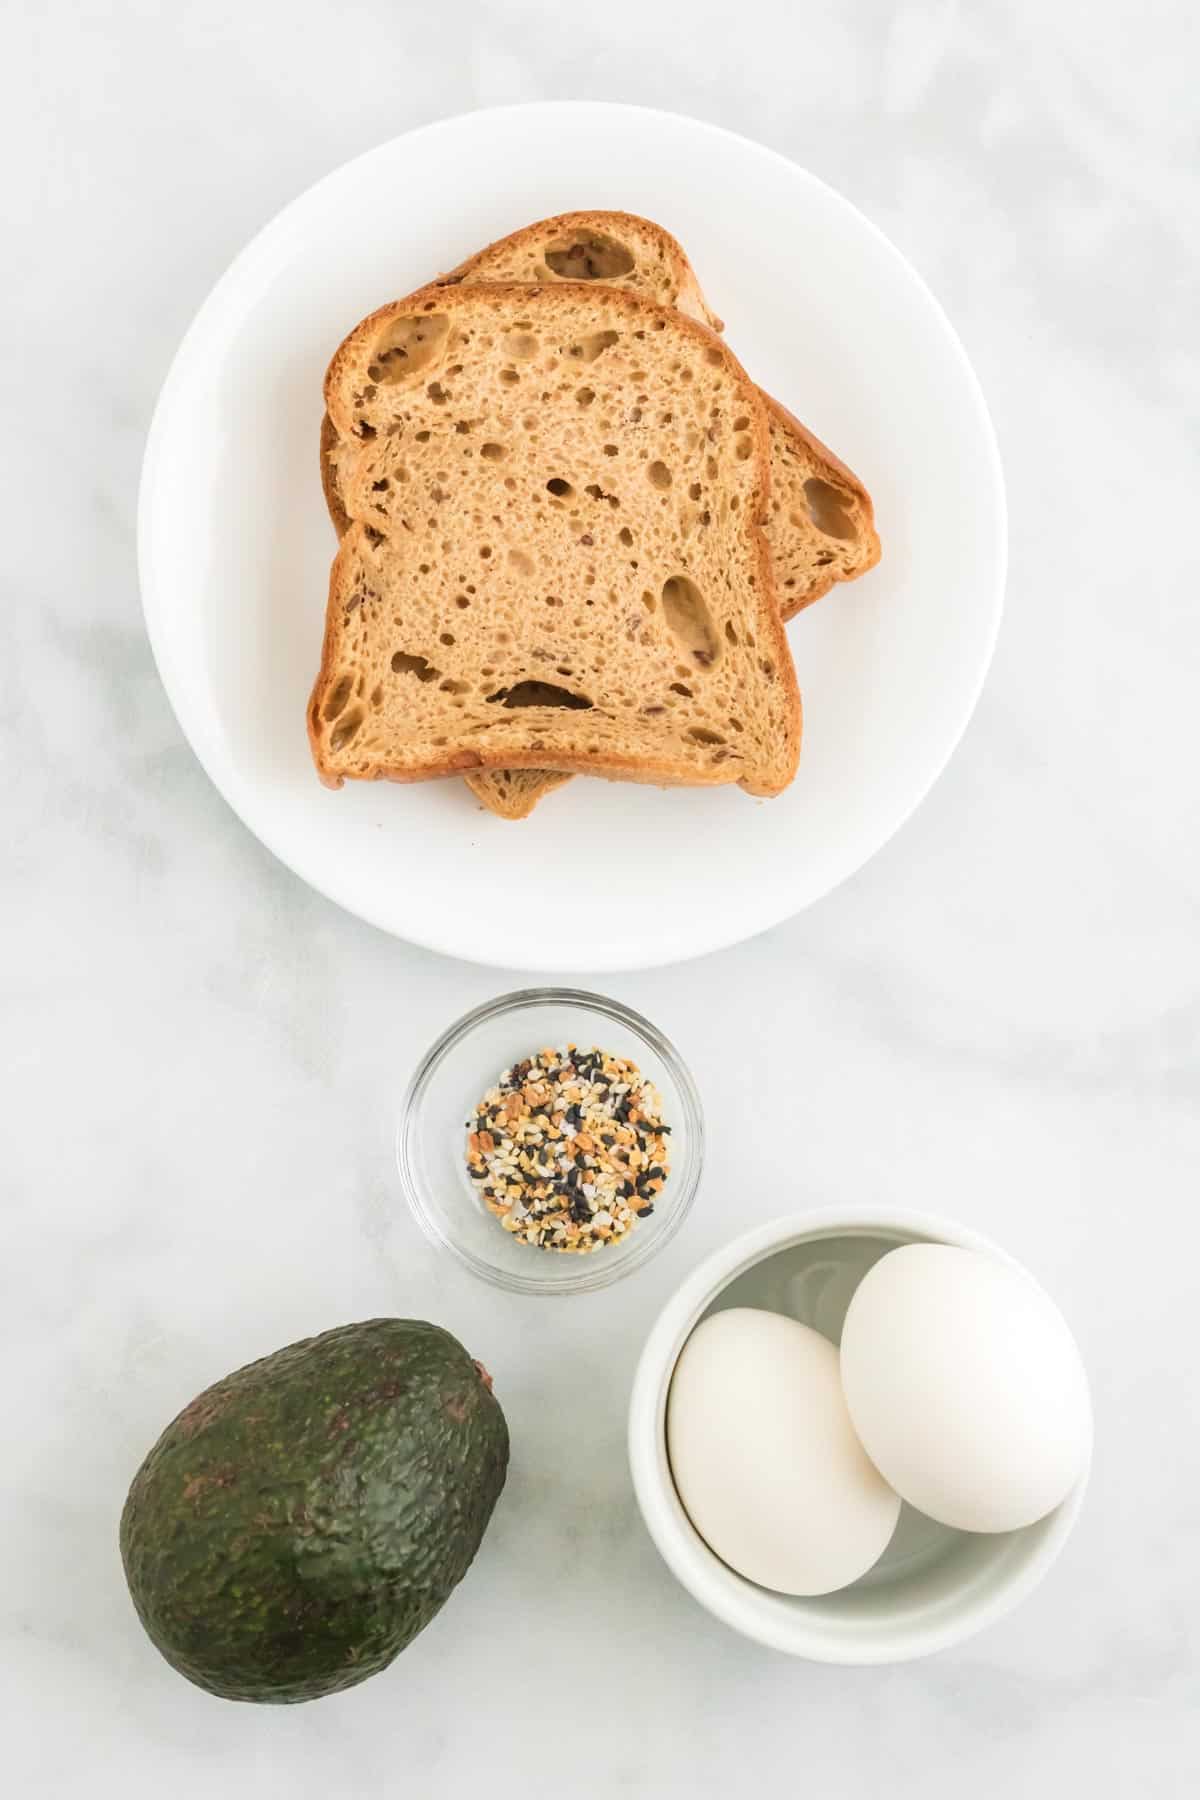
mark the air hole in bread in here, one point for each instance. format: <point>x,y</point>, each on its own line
<point>404,664</point>
<point>407,346</point>
<point>589,256</point>
<point>823,561</point>
<point>659,474</point>
<point>364,431</point>
<point>731,631</point>
<point>678,687</point>
<point>521,344</point>
<point>712,355</point>
<point>374,537</point>
<point>485,550</point>
<point>521,561</point>
<point>827,509</point>
<point>689,620</point>
<point>648,600</point>
<point>610,449</point>
<point>422,437</point>
<point>380,487</point>
<point>346,728</point>
<point>741,423</point>
<point>491,452</point>
<point>695,491</point>
<point>558,487</point>
<point>700,734</point>
<point>592,346</point>
<point>447,638</point>
<point>377,695</point>
<point>584,396</point>
<point>509,377</point>
<point>540,693</point>
<point>455,687</point>
<point>744,447</point>
<point>338,695</point>
<point>625,535</point>
<point>437,393</point>
<point>461,601</point>
<point>736,724</point>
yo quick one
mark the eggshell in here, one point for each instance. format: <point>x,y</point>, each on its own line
<point>765,1460</point>
<point>966,1387</point>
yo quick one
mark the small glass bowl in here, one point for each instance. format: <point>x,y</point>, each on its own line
<point>467,1060</point>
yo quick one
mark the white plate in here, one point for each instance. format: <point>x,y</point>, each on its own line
<point>235,546</point>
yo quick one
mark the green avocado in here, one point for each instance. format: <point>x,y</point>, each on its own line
<point>301,1521</point>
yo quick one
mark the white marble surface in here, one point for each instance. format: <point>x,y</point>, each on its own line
<point>999,1018</point>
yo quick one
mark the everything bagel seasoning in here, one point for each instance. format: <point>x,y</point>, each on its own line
<point>569,1149</point>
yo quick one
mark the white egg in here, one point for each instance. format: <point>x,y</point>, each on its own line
<point>765,1460</point>
<point>966,1387</point>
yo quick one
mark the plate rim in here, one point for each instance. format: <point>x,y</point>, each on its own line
<point>194,728</point>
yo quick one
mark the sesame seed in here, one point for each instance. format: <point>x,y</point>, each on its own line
<point>553,1144</point>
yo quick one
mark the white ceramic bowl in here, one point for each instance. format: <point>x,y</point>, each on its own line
<point>933,1587</point>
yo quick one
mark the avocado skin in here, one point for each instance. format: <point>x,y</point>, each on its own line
<point>303,1519</point>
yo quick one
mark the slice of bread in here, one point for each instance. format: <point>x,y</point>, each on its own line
<point>552,556</point>
<point>820,524</point>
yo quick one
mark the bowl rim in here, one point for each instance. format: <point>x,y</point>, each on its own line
<point>597,1271</point>
<point>676,1543</point>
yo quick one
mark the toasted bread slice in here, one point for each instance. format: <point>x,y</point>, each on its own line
<point>820,525</point>
<point>553,556</point>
